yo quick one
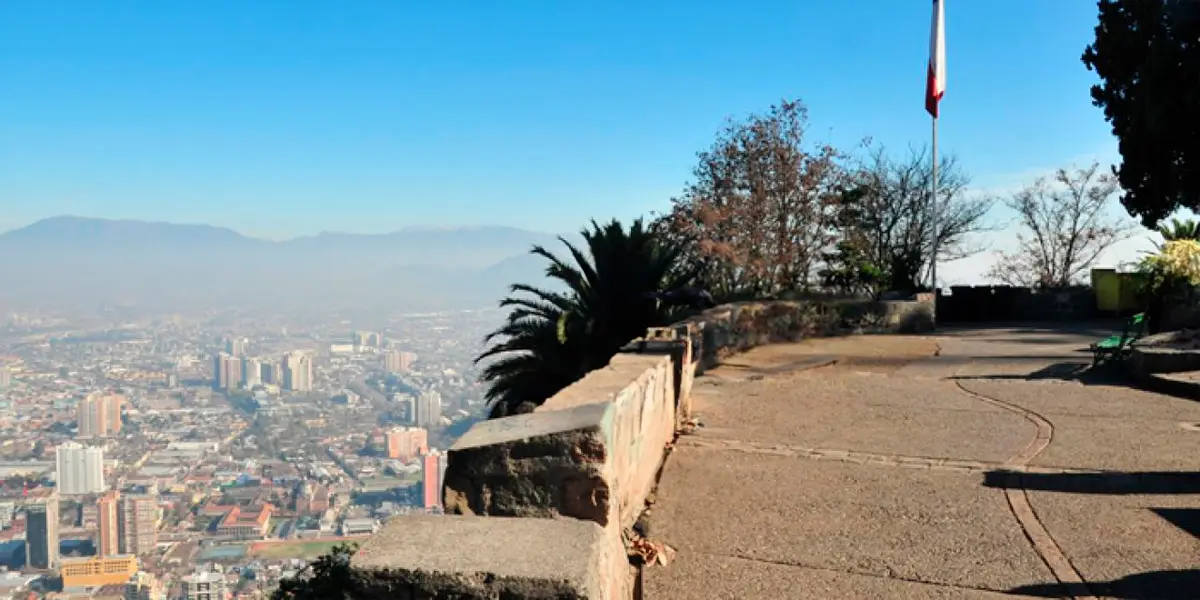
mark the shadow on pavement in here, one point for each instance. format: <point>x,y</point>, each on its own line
<point>1164,585</point>
<point>1187,519</point>
<point>1066,371</point>
<point>1107,483</point>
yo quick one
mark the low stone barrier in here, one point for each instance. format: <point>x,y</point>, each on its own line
<point>540,505</point>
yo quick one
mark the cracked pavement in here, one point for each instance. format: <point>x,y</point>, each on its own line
<point>973,464</point>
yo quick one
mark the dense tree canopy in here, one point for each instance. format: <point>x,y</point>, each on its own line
<point>1147,54</point>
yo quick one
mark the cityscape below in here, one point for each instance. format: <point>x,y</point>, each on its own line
<point>178,457</point>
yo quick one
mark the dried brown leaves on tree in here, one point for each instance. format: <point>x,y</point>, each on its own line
<point>760,210</point>
<point>1065,227</point>
<point>897,213</point>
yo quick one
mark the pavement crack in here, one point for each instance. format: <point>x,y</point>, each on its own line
<point>1035,531</point>
<point>935,463</point>
<point>858,572</point>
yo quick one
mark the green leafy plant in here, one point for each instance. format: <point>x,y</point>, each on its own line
<point>611,291</point>
<point>326,578</point>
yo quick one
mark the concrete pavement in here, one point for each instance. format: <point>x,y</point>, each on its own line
<point>974,464</point>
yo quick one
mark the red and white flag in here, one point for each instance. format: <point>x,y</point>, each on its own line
<point>935,82</point>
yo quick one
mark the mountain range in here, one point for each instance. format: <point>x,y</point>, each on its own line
<point>75,263</point>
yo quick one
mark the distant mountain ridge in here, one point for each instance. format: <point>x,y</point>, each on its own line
<point>82,261</point>
<point>91,228</point>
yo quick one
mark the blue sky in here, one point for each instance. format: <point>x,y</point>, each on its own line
<point>279,118</point>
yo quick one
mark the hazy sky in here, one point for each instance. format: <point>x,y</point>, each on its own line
<point>284,117</point>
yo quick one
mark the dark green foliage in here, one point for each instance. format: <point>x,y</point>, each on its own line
<point>1148,60</point>
<point>552,338</point>
<point>327,578</point>
<point>849,268</point>
<point>850,271</point>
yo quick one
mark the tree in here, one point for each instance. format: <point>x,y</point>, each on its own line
<point>327,578</point>
<point>610,296</point>
<point>760,212</point>
<point>895,214</point>
<point>1065,229</point>
<point>1148,61</point>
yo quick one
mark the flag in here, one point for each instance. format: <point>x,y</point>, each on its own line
<point>935,82</point>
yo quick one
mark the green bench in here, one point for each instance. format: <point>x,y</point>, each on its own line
<point>1117,346</point>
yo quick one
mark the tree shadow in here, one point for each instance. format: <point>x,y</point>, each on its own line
<point>1101,483</point>
<point>1157,585</point>
<point>1078,371</point>
<point>1187,519</point>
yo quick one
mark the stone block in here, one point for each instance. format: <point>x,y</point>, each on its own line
<point>678,346</point>
<point>425,557</point>
<point>542,464</point>
<point>591,452</point>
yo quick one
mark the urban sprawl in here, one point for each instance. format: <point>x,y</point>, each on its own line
<point>178,458</point>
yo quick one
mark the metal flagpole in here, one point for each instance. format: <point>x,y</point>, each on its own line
<point>933,220</point>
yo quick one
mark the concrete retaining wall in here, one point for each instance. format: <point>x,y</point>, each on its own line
<point>538,505</point>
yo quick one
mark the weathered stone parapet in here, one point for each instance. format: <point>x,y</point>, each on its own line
<point>590,452</point>
<point>424,557</point>
<point>536,465</point>
<point>537,503</point>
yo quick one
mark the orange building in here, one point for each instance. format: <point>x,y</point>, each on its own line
<point>246,523</point>
<point>407,443</point>
<point>108,542</point>
<point>433,473</point>
<point>99,415</point>
<point>95,571</point>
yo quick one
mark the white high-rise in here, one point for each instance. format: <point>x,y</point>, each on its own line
<point>204,586</point>
<point>297,372</point>
<point>251,372</point>
<point>80,469</point>
<point>428,409</point>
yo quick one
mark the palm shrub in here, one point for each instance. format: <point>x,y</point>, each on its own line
<point>1177,229</point>
<point>1170,277</point>
<point>610,290</point>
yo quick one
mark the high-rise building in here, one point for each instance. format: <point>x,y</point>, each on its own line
<point>41,533</point>
<point>144,586</point>
<point>428,409</point>
<point>138,522</point>
<point>251,372</point>
<point>433,478</point>
<point>5,376</point>
<point>367,339</point>
<point>297,372</point>
<point>236,346</point>
<point>227,371</point>
<point>99,415</point>
<point>204,586</point>
<point>272,374</point>
<point>396,361</point>
<point>108,537</point>
<point>80,469</point>
<point>406,443</point>
<point>391,361</point>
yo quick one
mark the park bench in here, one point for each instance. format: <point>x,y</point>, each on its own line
<point>1117,346</point>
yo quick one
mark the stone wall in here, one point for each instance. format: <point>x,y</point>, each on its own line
<point>542,505</point>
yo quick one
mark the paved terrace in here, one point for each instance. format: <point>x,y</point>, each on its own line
<point>973,464</point>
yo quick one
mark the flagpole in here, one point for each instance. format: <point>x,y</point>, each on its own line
<point>933,218</point>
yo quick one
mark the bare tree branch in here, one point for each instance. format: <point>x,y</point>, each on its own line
<point>1064,228</point>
